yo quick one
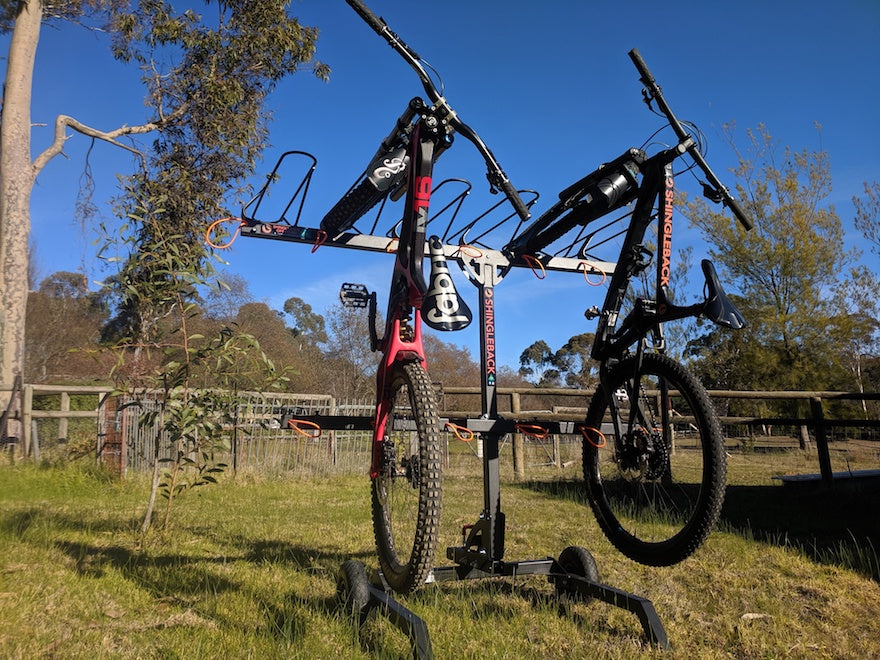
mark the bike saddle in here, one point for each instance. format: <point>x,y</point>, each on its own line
<point>443,309</point>
<point>718,307</point>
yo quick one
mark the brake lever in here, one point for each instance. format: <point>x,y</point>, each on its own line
<point>711,193</point>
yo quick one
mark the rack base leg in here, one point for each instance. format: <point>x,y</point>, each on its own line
<point>567,582</point>
<point>360,595</point>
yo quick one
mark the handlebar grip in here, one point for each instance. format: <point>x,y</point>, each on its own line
<point>644,72</point>
<point>737,210</point>
<point>371,19</point>
<point>513,195</point>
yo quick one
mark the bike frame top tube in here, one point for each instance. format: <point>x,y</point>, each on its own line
<point>656,191</point>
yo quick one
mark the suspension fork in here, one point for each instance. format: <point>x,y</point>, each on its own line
<point>402,342</point>
<point>400,348</point>
<point>637,415</point>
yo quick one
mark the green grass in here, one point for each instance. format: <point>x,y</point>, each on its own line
<point>249,570</point>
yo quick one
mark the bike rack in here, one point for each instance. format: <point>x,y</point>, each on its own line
<point>482,555</point>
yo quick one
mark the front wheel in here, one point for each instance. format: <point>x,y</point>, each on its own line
<point>407,490</point>
<point>654,460</point>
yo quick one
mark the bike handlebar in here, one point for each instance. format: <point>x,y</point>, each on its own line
<point>497,178</point>
<point>655,93</point>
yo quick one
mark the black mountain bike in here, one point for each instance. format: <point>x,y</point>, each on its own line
<point>653,456</point>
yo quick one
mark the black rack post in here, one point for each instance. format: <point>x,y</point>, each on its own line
<point>483,552</point>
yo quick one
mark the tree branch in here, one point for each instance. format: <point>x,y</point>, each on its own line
<point>64,121</point>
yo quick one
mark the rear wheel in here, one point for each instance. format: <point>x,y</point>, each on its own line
<point>654,460</point>
<point>406,494</point>
<point>354,205</point>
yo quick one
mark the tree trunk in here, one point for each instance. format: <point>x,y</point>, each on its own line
<point>17,176</point>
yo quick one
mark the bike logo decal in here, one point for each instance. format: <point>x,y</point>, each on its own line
<point>422,198</point>
<point>390,167</point>
<point>666,239</point>
<point>443,309</point>
<point>489,332</point>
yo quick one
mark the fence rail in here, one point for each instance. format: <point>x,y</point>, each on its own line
<point>258,443</point>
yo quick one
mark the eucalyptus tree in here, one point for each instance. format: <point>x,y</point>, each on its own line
<point>207,77</point>
<point>784,272</point>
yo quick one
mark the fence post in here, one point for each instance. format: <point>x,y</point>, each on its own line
<point>27,404</point>
<point>11,441</point>
<point>111,446</point>
<point>62,423</point>
<point>519,464</point>
<point>821,440</point>
<point>332,434</point>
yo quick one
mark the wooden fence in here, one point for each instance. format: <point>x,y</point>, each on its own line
<point>254,448</point>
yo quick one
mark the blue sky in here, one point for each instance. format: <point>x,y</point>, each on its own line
<point>547,85</point>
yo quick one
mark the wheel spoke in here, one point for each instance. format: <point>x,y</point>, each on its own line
<point>657,485</point>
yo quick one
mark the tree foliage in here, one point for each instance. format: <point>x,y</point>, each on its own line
<point>307,325</point>
<point>63,318</point>
<point>538,362</point>
<point>867,219</point>
<point>570,366</point>
<point>784,270</point>
<point>207,76</point>
<point>213,93</point>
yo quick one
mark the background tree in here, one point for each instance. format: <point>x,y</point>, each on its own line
<point>307,325</point>
<point>864,302</point>
<point>856,329</point>
<point>578,369</point>
<point>451,365</point>
<point>867,218</point>
<point>350,367</point>
<point>215,83</point>
<point>784,270</point>
<point>538,363</point>
<point>222,300</point>
<point>63,319</point>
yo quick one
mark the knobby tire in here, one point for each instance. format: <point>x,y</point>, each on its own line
<point>657,485</point>
<point>406,495</point>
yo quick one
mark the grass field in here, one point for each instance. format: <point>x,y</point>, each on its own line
<point>249,570</point>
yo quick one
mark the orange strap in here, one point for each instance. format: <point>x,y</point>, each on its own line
<point>320,239</point>
<point>532,430</point>
<point>589,268</point>
<point>470,251</point>
<point>533,261</point>
<point>587,430</point>
<point>213,226</point>
<point>392,245</point>
<point>462,433</point>
<point>295,425</point>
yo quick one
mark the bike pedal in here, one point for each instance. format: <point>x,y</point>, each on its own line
<point>354,295</point>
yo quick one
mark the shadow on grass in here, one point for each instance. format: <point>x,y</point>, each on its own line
<point>17,522</point>
<point>837,524</point>
<point>192,579</point>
